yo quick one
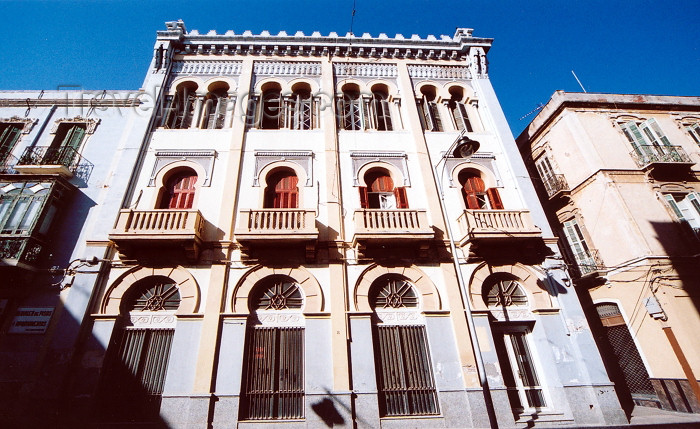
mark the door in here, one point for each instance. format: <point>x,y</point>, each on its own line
<point>518,369</point>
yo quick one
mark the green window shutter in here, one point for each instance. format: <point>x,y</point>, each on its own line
<point>74,137</point>
<point>635,137</point>
<point>576,241</point>
<point>9,137</point>
<point>672,203</point>
<point>694,131</point>
<point>651,122</point>
<point>695,202</point>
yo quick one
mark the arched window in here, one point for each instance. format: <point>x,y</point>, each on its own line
<point>428,109</point>
<point>138,355</point>
<point>352,109</point>
<point>179,190</point>
<point>282,190</point>
<point>272,111</point>
<point>273,387</point>
<point>300,108</point>
<point>475,194</point>
<point>381,109</point>
<point>405,381</point>
<point>180,108</point>
<point>380,192</point>
<point>459,110</point>
<point>214,109</point>
<point>505,293</point>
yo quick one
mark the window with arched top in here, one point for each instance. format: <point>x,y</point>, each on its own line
<point>428,109</point>
<point>214,109</point>
<point>138,355</point>
<point>179,190</point>
<point>180,107</point>
<point>273,378</point>
<point>475,194</point>
<point>380,192</point>
<point>282,190</point>
<point>351,109</point>
<point>458,108</point>
<point>300,108</point>
<point>271,112</point>
<point>405,381</point>
<point>380,110</point>
<point>505,293</point>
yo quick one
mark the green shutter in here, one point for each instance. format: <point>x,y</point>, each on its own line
<point>9,137</point>
<point>657,130</point>
<point>674,206</point>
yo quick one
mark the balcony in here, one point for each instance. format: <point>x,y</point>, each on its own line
<point>276,225</point>
<point>496,225</point>
<point>588,264</point>
<point>649,156</point>
<point>391,225</point>
<point>555,185</point>
<point>64,161</point>
<point>23,252</point>
<point>145,229</point>
<point>7,166</point>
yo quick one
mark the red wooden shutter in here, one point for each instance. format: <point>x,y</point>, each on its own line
<point>286,192</point>
<point>180,191</point>
<point>364,197</point>
<point>472,186</point>
<point>401,199</point>
<point>494,198</point>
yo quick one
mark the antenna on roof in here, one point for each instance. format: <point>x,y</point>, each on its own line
<point>539,107</point>
<point>352,18</point>
<point>579,82</point>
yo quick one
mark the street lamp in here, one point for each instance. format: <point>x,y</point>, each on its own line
<point>463,148</point>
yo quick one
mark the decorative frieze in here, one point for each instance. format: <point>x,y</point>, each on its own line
<point>264,158</point>
<point>286,68</point>
<point>207,67</point>
<point>90,124</point>
<point>439,72</point>
<point>397,159</point>
<point>152,320</point>
<point>205,158</point>
<point>27,124</point>
<point>365,70</point>
<point>400,317</point>
<point>279,318</point>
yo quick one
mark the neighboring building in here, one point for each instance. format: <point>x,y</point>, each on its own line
<point>282,253</point>
<point>66,158</point>
<point>620,180</point>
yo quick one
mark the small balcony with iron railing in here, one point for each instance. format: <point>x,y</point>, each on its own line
<point>64,161</point>
<point>556,185</point>
<point>587,264</point>
<point>25,252</point>
<point>139,230</point>
<point>276,226</point>
<point>496,225</point>
<point>397,225</point>
<point>649,156</point>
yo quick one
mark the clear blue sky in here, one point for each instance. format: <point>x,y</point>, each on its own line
<point>614,46</point>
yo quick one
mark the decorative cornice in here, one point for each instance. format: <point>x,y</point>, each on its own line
<point>377,155</point>
<point>433,48</point>
<point>186,153</point>
<point>27,124</point>
<point>90,124</point>
<point>32,103</point>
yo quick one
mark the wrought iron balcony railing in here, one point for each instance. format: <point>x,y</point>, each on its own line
<point>18,250</point>
<point>647,155</point>
<point>587,263</point>
<point>555,184</point>
<point>496,224</point>
<point>7,164</point>
<point>45,159</point>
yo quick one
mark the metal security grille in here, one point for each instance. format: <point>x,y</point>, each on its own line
<point>636,375</point>
<point>626,352</point>
<point>137,374</point>
<point>404,372</point>
<point>274,385</point>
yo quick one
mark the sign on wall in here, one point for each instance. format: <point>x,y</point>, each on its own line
<point>31,320</point>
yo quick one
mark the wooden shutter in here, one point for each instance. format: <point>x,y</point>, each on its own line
<point>220,112</point>
<point>364,197</point>
<point>180,192</point>
<point>651,122</point>
<point>401,199</point>
<point>9,137</point>
<point>494,199</point>
<point>472,185</point>
<point>286,192</point>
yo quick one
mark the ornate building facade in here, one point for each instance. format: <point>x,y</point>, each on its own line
<point>331,231</point>
<point>619,179</point>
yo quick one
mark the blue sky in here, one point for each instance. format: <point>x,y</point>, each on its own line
<point>614,46</point>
